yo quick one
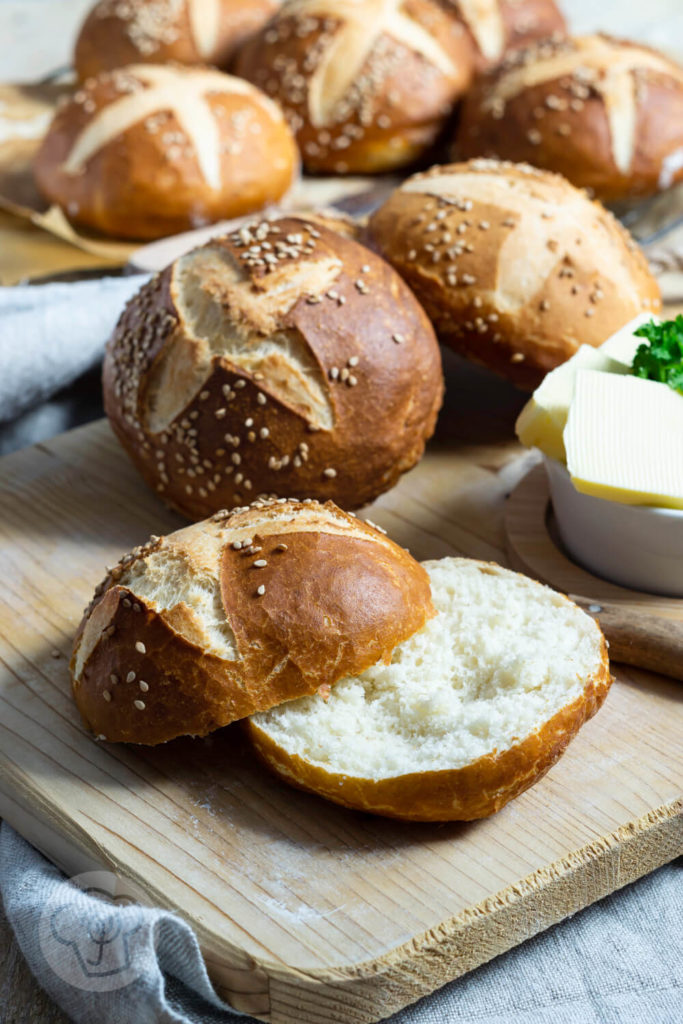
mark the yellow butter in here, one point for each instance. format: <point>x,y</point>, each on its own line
<point>624,439</point>
<point>543,419</point>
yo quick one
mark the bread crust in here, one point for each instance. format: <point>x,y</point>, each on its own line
<point>337,596</point>
<point>460,236</point>
<point>115,34</point>
<point>476,790</point>
<point>617,133</point>
<point>337,409</point>
<point>147,180</point>
<point>519,23</point>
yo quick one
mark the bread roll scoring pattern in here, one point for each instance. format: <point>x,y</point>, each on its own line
<point>365,84</point>
<point>282,359</point>
<point>605,113</point>
<point>233,615</point>
<point>514,266</point>
<point>151,149</point>
<point>120,32</point>
<point>499,25</point>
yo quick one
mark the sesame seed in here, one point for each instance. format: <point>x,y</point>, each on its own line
<point>130,677</point>
<point>106,694</point>
<point>144,686</point>
<point>353,361</point>
<point>281,547</point>
<point>398,338</point>
<point>261,398</point>
<point>264,432</point>
<point>139,704</point>
<point>236,544</point>
<point>113,679</point>
<point>260,563</point>
<point>329,472</point>
<point>140,647</point>
<point>261,590</point>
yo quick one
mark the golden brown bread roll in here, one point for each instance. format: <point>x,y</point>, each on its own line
<point>282,359</point>
<point>605,113</point>
<point>152,150</point>
<point>365,84</point>
<point>119,32</point>
<point>515,267</point>
<point>238,613</point>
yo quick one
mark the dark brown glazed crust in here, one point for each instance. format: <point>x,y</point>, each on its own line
<point>338,597</point>
<point>562,125</point>
<point>400,101</point>
<point>385,395</point>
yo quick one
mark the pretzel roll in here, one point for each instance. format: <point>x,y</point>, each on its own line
<point>283,359</point>
<point>152,150</point>
<point>515,267</point>
<point>120,32</point>
<point>365,84</point>
<point>498,26</point>
<point>606,114</point>
<point>239,613</point>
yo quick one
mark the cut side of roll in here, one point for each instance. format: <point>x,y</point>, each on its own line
<point>471,711</point>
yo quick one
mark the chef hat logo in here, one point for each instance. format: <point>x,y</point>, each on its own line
<point>91,939</point>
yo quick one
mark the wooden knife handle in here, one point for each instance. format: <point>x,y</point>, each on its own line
<point>639,638</point>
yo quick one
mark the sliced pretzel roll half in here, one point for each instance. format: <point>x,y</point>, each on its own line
<point>238,613</point>
<point>471,711</point>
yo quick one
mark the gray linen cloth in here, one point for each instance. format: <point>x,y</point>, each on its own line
<point>111,962</point>
<point>52,333</point>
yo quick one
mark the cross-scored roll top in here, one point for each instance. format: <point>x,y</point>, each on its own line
<point>239,613</point>
<point>515,267</point>
<point>151,150</point>
<point>282,359</point>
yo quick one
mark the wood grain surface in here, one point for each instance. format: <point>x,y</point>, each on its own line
<point>307,912</point>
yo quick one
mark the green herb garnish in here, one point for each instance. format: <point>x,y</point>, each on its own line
<point>661,357</point>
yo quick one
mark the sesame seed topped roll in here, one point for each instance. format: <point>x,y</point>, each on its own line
<point>119,32</point>
<point>152,150</point>
<point>366,85</point>
<point>515,267</point>
<point>238,613</point>
<point>283,359</point>
<point>605,113</point>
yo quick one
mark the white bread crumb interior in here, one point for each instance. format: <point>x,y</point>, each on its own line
<point>502,656</point>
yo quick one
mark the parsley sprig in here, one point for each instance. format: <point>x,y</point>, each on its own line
<point>660,358</point>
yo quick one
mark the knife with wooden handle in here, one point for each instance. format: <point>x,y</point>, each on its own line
<point>638,638</point>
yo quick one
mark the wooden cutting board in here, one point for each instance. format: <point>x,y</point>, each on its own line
<point>308,913</point>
